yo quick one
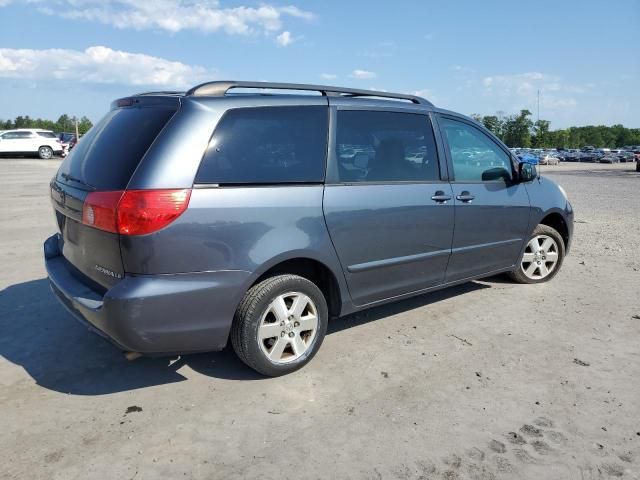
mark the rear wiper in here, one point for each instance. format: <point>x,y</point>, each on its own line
<point>71,178</point>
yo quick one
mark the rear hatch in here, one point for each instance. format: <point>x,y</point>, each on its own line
<point>104,160</point>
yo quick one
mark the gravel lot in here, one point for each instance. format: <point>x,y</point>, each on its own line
<point>486,380</point>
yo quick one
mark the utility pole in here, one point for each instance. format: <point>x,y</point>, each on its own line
<point>538,105</point>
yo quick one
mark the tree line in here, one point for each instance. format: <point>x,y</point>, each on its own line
<point>520,130</point>
<point>65,123</point>
<point>517,130</point>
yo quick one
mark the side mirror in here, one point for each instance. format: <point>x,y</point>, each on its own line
<point>495,174</point>
<point>527,172</point>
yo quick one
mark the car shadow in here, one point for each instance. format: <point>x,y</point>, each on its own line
<point>60,354</point>
<point>401,306</point>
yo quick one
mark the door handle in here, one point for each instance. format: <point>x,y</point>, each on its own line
<point>465,197</point>
<point>440,197</point>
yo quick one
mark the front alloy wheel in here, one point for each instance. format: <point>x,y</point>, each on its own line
<point>542,257</point>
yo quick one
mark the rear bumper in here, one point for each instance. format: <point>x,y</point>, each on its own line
<point>152,314</point>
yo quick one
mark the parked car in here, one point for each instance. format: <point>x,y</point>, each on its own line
<point>528,158</point>
<point>30,141</point>
<point>587,156</point>
<point>67,139</point>
<point>626,156</point>
<point>571,155</point>
<point>608,157</point>
<point>222,216</point>
<point>549,158</point>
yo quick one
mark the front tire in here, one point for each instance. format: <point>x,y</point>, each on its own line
<point>45,153</point>
<point>542,257</point>
<point>280,325</point>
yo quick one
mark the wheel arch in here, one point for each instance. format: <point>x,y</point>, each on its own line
<point>556,221</point>
<point>330,282</point>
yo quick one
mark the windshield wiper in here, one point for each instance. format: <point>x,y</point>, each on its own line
<point>71,178</point>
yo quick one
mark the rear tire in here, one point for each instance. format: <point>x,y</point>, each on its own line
<point>280,325</point>
<point>542,257</point>
<point>45,153</point>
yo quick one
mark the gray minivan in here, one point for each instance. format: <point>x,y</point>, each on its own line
<point>237,210</point>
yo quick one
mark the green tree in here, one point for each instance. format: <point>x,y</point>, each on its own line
<point>494,125</point>
<point>84,124</point>
<point>64,123</point>
<point>517,129</point>
<point>541,137</point>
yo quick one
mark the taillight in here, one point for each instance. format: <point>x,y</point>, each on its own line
<point>145,211</point>
<point>134,212</point>
<point>99,210</point>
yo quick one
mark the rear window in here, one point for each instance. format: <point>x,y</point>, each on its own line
<point>47,134</point>
<point>107,155</point>
<point>267,145</point>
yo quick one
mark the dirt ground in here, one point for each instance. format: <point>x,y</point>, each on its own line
<point>486,380</point>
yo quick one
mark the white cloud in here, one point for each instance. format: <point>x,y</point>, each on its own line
<point>523,88</point>
<point>296,12</point>
<point>99,65</point>
<point>284,39</point>
<point>429,36</point>
<point>425,92</point>
<point>362,74</point>
<point>329,76</point>
<point>173,15</point>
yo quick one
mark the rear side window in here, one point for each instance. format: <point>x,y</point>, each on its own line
<point>47,134</point>
<point>267,145</point>
<point>17,135</point>
<point>107,155</point>
<point>385,147</point>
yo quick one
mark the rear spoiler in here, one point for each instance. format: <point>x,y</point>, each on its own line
<point>156,99</point>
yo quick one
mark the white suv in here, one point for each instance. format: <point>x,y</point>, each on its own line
<point>30,141</point>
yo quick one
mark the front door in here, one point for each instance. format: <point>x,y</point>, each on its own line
<point>491,210</point>
<point>389,214</point>
<point>15,142</point>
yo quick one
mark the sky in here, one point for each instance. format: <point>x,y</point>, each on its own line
<point>76,56</point>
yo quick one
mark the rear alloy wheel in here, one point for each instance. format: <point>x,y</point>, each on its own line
<point>45,153</point>
<point>542,256</point>
<point>280,324</point>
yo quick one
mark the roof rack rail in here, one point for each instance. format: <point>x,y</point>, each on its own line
<point>221,88</point>
<point>159,92</point>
